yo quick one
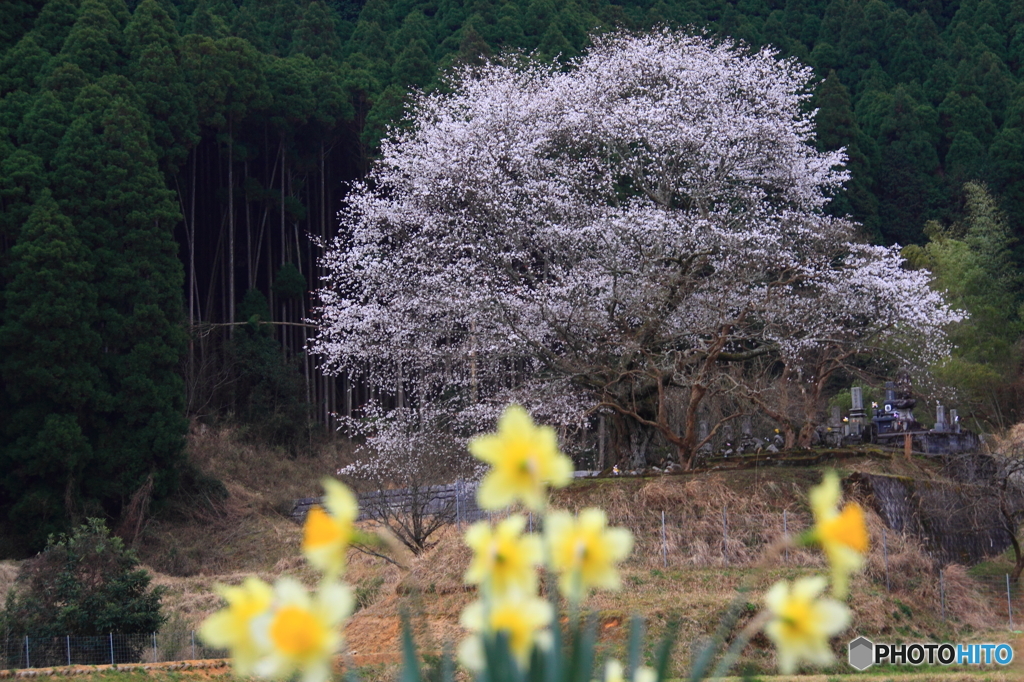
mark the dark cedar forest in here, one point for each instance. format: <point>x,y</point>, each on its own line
<point>167,167</point>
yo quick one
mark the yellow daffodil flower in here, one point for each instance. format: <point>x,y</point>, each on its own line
<point>231,627</point>
<point>326,536</point>
<point>584,551</point>
<point>522,617</point>
<point>802,623</point>
<point>843,535</point>
<point>302,633</point>
<point>613,672</point>
<point>503,558</point>
<point>525,460</point>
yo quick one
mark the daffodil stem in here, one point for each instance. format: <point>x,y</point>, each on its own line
<point>740,643</point>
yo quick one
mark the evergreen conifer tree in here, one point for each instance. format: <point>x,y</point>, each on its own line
<point>22,178</point>
<point>14,21</point>
<point>315,35</point>
<point>43,126</point>
<point>22,65</point>
<point>106,180</point>
<point>95,41</point>
<point>52,386</point>
<point>154,53</point>
<point>837,128</point>
<point>54,23</point>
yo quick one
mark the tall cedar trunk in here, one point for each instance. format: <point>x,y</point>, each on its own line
<point>266,214</point>
<point>250,276</point>
<point>231,227</point>
<point>192,284</point>
<point>309,269</point>
<point>284,315</point>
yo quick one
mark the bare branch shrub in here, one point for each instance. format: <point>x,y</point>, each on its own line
<point>405,468</point>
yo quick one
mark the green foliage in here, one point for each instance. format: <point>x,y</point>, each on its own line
<point>43,126</point>
<point>22,65</point>
<point>227,77</point>
<point>108,184</point>
<point>268,390</point>
<point>95,40</point>
<point>154,51</point>
<point>289,282</point>
<point>22,179</point>
<point>47,345</point>
<point>54,23</point>
<point>315,35</point>
<point>972,260</point>
<point>83,583</point>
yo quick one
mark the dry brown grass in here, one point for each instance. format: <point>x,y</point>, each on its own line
<point>709,521</point>
<point>1010,442</point>
<point>261,474</point>
<point>8,572</point>
<point>699,582</point>
<point>248,533</point>
<point>695,589</point>
<point>250,529</point>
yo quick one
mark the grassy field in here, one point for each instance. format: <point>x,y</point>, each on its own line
<point>718,525</point>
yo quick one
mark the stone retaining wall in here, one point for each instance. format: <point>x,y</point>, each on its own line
<point>957,522</point>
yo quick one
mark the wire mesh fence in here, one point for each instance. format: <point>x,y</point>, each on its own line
<point>1007,597</point>
<point>111,649</point>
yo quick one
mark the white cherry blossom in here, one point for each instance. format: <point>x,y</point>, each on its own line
<point>602,236</point>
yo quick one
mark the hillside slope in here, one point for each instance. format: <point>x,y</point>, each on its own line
<point>717,524</point>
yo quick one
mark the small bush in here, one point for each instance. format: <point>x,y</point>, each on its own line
<point>268,391</point>
<point>86,583</point>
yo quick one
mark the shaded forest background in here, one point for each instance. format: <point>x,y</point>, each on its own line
<point>166,167</point>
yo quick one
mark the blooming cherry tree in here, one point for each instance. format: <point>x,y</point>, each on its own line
<point>605,237</point>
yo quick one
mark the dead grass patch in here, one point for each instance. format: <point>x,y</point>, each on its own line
<point>8,573</point>
<point>249,529</point>
<point>717,526</point>
<point>708,522</point>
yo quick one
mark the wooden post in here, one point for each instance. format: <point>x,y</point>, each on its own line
<point>908,443</point>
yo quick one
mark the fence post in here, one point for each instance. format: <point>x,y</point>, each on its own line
<point>69,649</point>
<point>725,533</point>
<point>193,645</point>
<point>785,534</point>
<point>942,593</point>
<point>155,655</point>
<point>664,541</point>
<point>28,663</point>
<point>531,522</point>
<point>885,557</point>
<point>1009,604</point>
<point>458,502</point>
<point>111,648</point>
